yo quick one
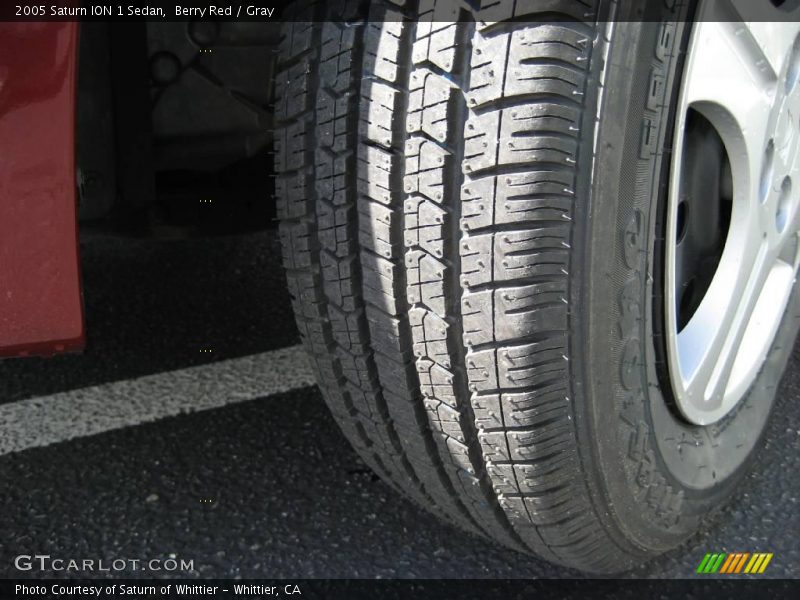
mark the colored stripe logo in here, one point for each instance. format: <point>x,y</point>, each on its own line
<point>734,563</point>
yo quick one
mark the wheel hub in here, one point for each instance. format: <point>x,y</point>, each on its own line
<point>732,222</point>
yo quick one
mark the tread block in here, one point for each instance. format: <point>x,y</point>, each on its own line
<point>478,203</point>
<point>348,337</point>
<point>441,412</point>
<point>538,444</point>
<point>292,195</point>
<point>336,56</point>
<point>296,39</point>
<point>337,280</point>
<point>491,12</point>
<point>424,172</point>
<point>297,244</point>
<point>481,139</point>
<point>332,114</point>
<point>525,310</point>
<point>488,411</point>
<point>429,100</point>
<point>373,170</point>
<point>332,224</point>
<point>509,313</point>
<point>436,382</point>
<point>494,446</point>
<point>543,59</point>
<point>382,45</point>
<point>436,35</point>
<point>542,476</point>
<point>476,259</point>
<point>376,112</point>
<point>482,370</point>
<point>423,226</point>
<point>535,252</point>
<point>476,313</point>
<point>548,59</point>
<point>380,285</point>
<point>488,62</point>
<point>545,195</point>
<point>291,147</point>
<point>532,364</point>
<point>291,91</point>
<point>424,277</point>
<point>523,143</point>
<point>375,228</point>
<point>513,136</point>
<point>546,510</point>
<point>503,480</point>
<point>331,185</point>
<point>530,408</point>
<point>429,333</point>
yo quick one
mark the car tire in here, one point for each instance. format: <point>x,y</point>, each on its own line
<point>472,212</point>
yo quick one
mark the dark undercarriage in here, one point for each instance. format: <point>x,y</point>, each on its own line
<point>175,127</point>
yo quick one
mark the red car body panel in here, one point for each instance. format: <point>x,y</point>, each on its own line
<point>41,308</point>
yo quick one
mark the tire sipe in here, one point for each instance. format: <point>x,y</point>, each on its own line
<point>472,209</point>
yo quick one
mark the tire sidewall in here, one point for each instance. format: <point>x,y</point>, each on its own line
<point>660,475</point>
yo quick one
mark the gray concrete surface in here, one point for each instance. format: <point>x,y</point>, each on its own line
<point>265,485</point>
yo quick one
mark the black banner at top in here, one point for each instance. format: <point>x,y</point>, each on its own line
<point>347,10</point>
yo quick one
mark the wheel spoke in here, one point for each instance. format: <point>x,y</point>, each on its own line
<point>730,335</point>
<point>708,344</point>
<point>763,33</point>
<point>761,329</point>
<point>728,89</point>
<point>763,45</point>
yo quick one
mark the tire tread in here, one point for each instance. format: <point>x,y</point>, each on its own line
<point>427,199</point>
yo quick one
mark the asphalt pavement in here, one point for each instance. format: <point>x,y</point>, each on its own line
<point>252,478</point>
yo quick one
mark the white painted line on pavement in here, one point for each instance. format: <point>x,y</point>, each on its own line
<point>88,411</point>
